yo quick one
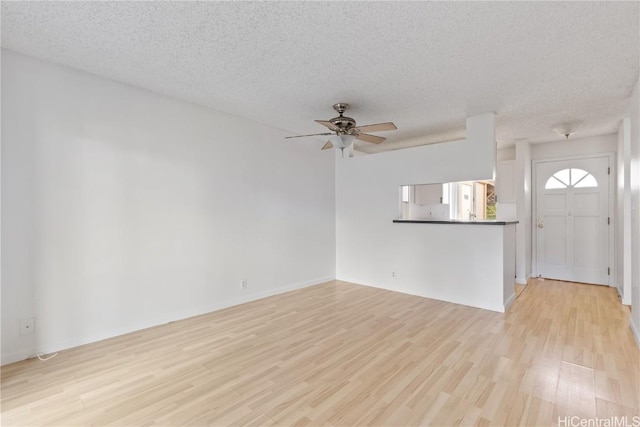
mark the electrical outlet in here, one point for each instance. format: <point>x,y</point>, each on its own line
<point>243,284</point>
<point>27,326</point>
<point>394,274</point>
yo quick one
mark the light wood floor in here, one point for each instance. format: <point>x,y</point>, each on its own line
<point>344,355</point>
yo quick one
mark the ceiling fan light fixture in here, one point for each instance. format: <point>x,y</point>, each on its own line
<point>342,141</point>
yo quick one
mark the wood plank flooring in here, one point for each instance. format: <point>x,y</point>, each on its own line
<point>345,355</point>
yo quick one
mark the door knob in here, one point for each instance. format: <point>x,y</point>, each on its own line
<point>540,223</point>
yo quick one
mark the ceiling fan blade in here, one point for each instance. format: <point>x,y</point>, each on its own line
<point>328,124</point>
<point>311,134</point>
<point>370,138</point>
<point>327,146</point>
<point>377,127</point>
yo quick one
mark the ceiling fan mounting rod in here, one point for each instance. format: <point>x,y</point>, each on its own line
<point>341,107</point>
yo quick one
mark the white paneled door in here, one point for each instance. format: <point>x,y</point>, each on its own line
<point>572,224</point>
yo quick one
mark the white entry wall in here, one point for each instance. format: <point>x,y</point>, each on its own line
<point>623,211</point>
<point>634,229</point>
<point>123,209</point>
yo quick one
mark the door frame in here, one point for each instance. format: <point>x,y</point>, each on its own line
<point>610,209</point>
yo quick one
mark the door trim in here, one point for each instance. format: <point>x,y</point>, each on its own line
<point>610,211</point>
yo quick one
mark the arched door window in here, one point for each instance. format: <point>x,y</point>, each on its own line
<point>571,178</point>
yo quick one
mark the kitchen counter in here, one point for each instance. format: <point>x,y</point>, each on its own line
<point>473,266</point>
<point>455,221</point>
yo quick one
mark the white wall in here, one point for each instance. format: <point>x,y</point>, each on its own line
<point>508,264</point>
<point>623,211</point>
<point>123,209</point>
<point>575,147</point>
<point>634,114</point>
<point>506,209</point>
<point>370,246</point>
<point>506,153</point>
<point>506,187</point>
<point>523,208</point>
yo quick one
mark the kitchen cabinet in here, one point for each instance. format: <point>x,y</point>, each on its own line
<point>428,194</point>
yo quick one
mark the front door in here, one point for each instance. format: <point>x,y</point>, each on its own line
<point>572,224</point>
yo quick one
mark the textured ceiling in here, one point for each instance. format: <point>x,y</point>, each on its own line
<point>423,65</point>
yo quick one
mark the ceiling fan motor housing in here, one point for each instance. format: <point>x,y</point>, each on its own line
<point>345,124</point>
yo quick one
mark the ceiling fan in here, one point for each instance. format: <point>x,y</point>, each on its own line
<point>345,130</point>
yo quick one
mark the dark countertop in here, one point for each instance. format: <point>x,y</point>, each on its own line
<point>455,221</point>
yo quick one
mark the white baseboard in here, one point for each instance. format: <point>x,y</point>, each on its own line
<point>623,299</point>
<point>499,308</point>
<point>17,356</point>
<point>174,317</point>
<point>521,281</point>
<point>509,301</point>
<point>276,291</point>
<point>634,330</point>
